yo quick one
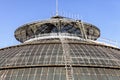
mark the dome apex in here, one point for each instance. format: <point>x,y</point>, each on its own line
<point>57,24</point>
<point>58,16</point>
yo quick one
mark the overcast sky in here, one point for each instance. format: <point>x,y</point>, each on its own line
<point>105,14</point>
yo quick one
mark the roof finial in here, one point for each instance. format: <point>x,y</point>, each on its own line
<point>56,7</point>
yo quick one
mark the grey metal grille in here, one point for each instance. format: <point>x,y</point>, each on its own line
<point>45,61</point>
<point>58,73</point>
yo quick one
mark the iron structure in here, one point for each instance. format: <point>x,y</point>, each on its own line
<point>59,48</point>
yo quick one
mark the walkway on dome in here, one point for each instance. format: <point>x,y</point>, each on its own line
<point>102,41</point>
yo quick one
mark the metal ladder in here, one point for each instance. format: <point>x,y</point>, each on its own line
<point>67,57</point>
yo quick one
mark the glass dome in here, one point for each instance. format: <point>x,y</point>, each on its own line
<point>55,50</point>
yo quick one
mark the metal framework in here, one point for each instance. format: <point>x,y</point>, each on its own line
<point>46,58</point>
<point>59,49</point>
<point>55,25</point>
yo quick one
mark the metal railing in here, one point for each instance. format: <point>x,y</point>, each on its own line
<point>54,35</point>
<point>100,40</point>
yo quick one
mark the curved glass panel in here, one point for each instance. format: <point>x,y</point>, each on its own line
<point>54,30</point>
<point>59,73</point>
<point>52,54</point>
<point>70,29</point>
<point>46,28</point>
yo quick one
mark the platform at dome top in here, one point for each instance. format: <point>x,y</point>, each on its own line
<point>57,24</point>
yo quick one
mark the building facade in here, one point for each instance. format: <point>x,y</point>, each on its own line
<point>59,48</point>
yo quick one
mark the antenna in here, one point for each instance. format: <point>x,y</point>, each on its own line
<point>56,7</point>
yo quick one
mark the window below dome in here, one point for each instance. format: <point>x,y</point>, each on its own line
<point>50,28</point>
<point>70,29</point>
<point>46,28</point>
